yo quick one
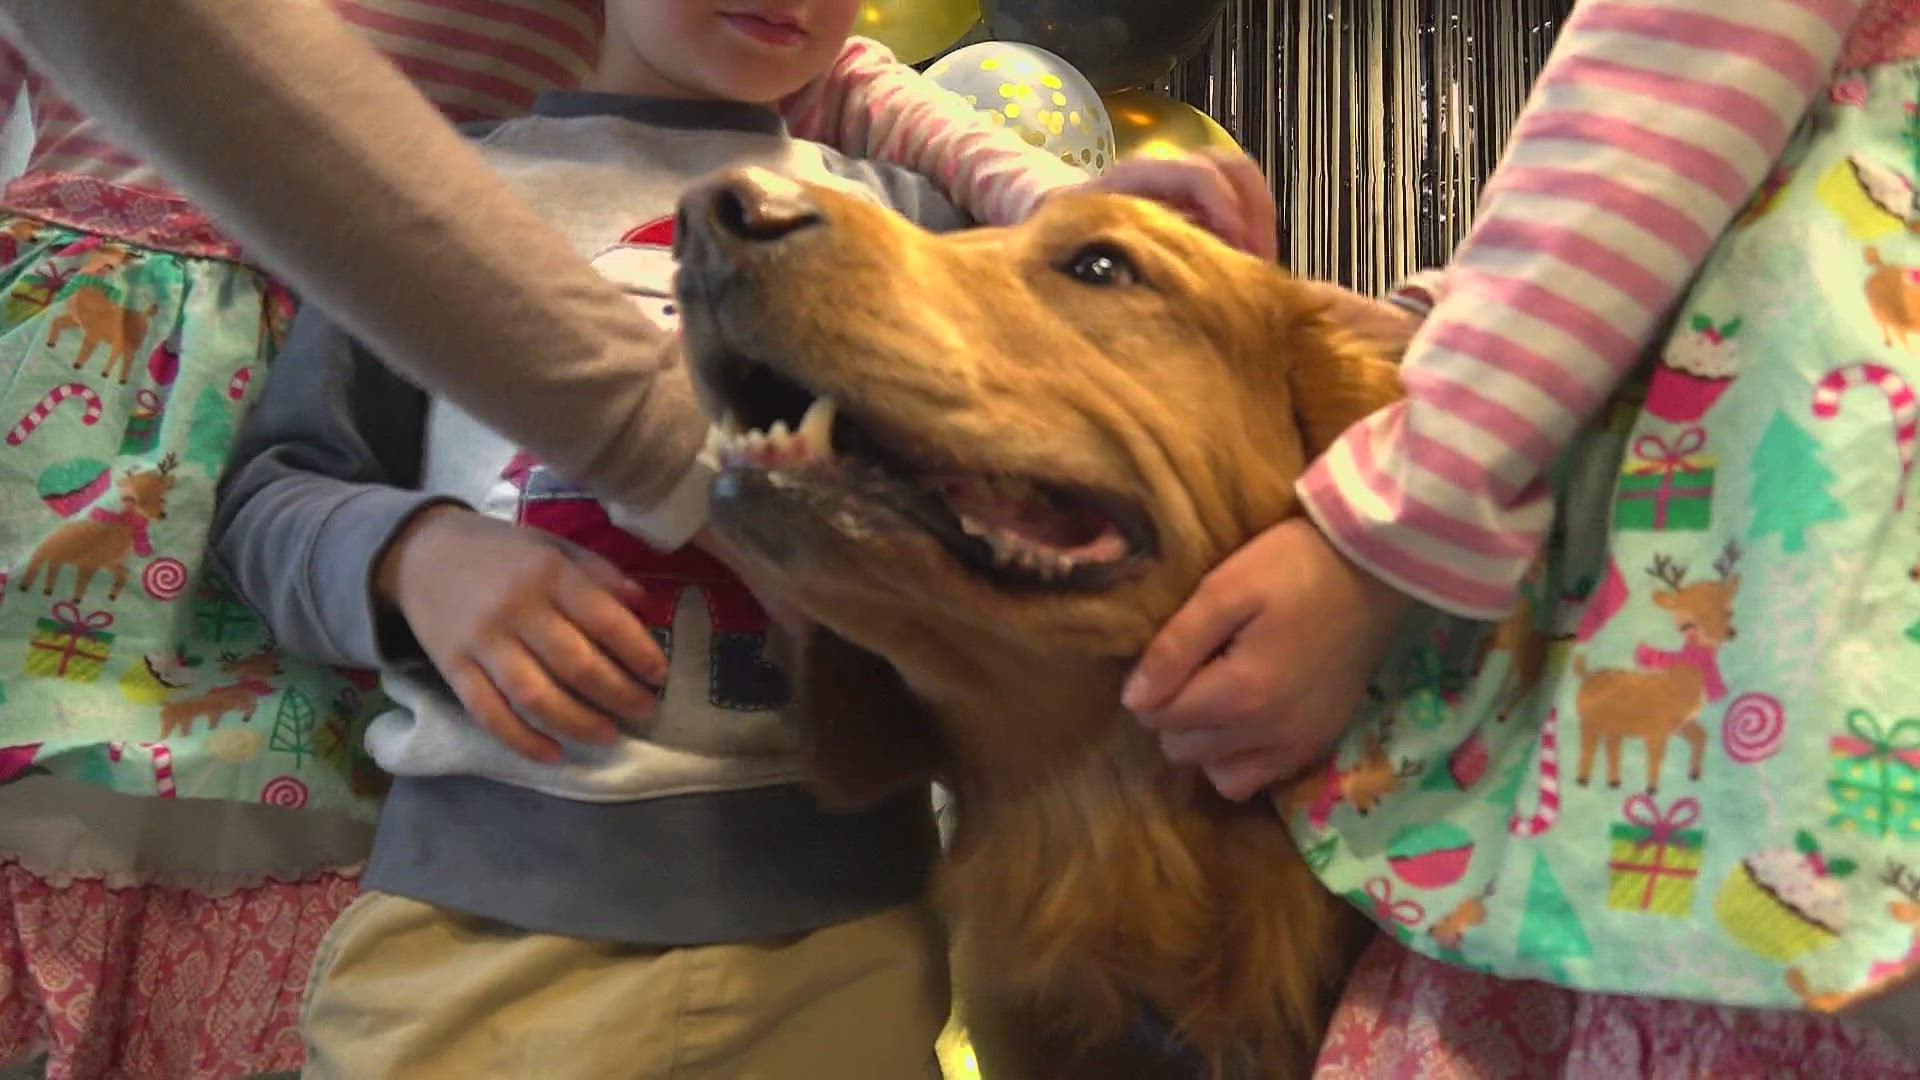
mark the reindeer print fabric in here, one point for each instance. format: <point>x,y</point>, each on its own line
<point>1690,766</point>
<point>125,371</point>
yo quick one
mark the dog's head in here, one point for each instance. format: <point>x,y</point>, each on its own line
<point>1027,442</point>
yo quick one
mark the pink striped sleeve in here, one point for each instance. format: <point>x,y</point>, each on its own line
<point>1653,123</point>
<point>871,105</point>
<point>14,73</point>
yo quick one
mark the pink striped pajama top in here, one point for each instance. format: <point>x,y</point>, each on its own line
<point>1653,123</point>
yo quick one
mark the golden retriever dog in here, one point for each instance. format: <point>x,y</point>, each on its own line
<point>989,465</point>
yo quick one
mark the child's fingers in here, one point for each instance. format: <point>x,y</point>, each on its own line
<point>469,683</point>
<point>596,599</point>
<point>1248,775</point>
<point>1197,183</point>
<point>1209,745</point>
<point>1225,693</point>
<point>578,666</point>
<point>1259,215</point>
<point>532,693</point>
<point>1201,628</point>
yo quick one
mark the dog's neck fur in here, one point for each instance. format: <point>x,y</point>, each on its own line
<point>1084,806</point>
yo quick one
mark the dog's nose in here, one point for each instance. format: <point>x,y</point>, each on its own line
<point>752,205</point>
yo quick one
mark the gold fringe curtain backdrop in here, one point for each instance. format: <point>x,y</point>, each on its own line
<point>1378,120</point>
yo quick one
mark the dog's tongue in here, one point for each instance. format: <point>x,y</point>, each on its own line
<point>1012,512</point>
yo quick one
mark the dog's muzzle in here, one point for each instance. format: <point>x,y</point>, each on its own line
<point>737,216</point>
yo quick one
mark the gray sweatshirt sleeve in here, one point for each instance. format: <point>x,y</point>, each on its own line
<point>912,195</point>
<point>315,152</point>
<point>319,483</point>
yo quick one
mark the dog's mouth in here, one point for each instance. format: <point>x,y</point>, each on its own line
<point>1016,532</point>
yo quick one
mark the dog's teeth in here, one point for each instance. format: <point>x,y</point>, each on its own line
<point>730,424</point>
<point>779,444</point>
<point>972,526</point>
<point>755,447</point>
<point>816,427</point>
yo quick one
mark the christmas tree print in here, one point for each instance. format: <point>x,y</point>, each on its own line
<point>1550,931</point>
<point>1911,136</point>
<point>210,430</point>
<point>293,725</point>
<point>1790,485</point>
<point>1320,856</point>
<point>1507,790</point>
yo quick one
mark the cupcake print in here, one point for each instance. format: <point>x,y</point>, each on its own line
<point>1697,368</point>
<point>1785,902</point>
<point>157,677</point>
<point>1430,856</point>
<point>71,486</point>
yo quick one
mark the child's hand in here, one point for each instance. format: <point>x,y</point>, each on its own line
<point>1264,667</point>
<point>525,629</point>
<point>1220,190</point>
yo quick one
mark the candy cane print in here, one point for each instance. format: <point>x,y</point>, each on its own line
<point>162,769</point>
<point>162,765</point>
<point>38,414</point>
<point>1549,808</point>
<point>1900,398</point>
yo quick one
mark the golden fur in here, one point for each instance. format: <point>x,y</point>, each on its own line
<point>1086,877</point>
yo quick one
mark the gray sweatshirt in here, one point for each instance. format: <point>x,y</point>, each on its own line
<point>698,832</point>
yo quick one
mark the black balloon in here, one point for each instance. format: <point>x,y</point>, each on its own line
<point>1116,44</point>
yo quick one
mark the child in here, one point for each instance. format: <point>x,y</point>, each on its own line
<point>661,899</point>
<point>1686,768</point>
<point>165,688</point>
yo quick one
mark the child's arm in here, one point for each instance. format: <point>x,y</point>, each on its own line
<point>871,105</point>
<point>321,527</point>
<point>1651,126</point>
<point>297,137</point>
<point>1653,123</point>
<point>324,474</point>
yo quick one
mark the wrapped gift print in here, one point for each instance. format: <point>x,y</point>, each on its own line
<point>1875,783</point>
<point>143,427</point>
<point>1654,858</point>
<point>70,645</point>
<point>1400,916</point>
<point>1666,484</point>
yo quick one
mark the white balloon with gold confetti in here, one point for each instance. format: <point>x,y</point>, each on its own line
<point>1035,93</point>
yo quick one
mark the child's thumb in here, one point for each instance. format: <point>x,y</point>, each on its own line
<point>1195,634</point>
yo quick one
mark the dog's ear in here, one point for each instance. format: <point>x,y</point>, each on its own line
<point>864,735</point>
<point>1356,372</point>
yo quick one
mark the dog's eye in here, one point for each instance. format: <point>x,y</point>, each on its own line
<point>1102,265</point>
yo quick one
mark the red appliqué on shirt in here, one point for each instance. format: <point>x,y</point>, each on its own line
<point>655,233</point>
<point>741,677</point>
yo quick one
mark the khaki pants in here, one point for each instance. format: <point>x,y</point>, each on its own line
<point>405,991</point>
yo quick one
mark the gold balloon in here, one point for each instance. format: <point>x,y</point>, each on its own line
<point>1158,126</point>
<point>916,30</point>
